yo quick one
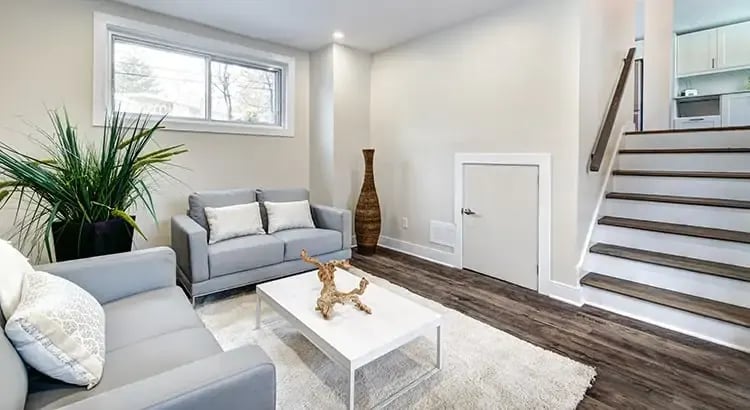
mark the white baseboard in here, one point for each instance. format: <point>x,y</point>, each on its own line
<point>420,251</point>
<point>557,290</point>
<point>562,292</point>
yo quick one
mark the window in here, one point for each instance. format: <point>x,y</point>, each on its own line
<point>208,86</point>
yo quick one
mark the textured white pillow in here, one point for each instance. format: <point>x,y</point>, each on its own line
<point>233,221</point>
<point>288,215</point>
<point>13,266</point>
<point>58,329</point>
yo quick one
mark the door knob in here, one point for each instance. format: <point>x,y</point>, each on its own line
<point>467,211</point>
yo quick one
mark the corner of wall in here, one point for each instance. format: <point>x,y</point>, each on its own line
<point>609,164</point>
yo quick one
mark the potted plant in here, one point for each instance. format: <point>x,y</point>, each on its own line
<point>78,195</point>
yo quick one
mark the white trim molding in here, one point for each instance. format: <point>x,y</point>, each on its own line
<point>543,161</point>
<point>106,26</point>
<point>595,216</point>
<point>419,251</point>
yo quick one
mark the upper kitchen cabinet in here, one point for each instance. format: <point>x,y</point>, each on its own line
<point>734,46</point>
<point>696,52</point>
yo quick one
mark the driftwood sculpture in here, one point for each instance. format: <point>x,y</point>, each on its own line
<point>329,295</point>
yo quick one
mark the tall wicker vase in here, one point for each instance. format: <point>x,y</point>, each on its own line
<point>367,214</point>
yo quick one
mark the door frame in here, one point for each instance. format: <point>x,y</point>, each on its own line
<point>543,162</point>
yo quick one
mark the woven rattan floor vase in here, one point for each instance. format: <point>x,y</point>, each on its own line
<point>367,214</point>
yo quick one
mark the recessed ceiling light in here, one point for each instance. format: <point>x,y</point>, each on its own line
<point>337,35</point>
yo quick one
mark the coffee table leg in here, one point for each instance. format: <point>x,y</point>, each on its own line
<point>257,310</point>
<point>351,388</point>
<point>439,350</point>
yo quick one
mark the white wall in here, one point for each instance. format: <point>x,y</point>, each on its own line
<point>508,82</point>
<point>607,33</point>
<point>340,123</point>
<point>658,64</point>
<point>321,126</point>
<point>46,49</point>
<point>351,121</point>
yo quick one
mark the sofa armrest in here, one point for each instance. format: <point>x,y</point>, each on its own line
<point>190,243</point>
<point>113,277</point>
<point>244,378</point>
<point>327,217</point>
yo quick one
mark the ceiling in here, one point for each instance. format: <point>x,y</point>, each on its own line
<point>371,25</point>
<point>690,15</point>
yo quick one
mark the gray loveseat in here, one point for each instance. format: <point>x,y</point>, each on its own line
<point>159,355</point>
<point>204,269</point>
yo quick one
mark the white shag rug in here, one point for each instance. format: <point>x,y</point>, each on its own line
<point>483,368</point>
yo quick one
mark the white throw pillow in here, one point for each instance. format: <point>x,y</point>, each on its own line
<point>58,329</point>
<point>13,266</point>
<point>233,221</point>
<point>288,215</point>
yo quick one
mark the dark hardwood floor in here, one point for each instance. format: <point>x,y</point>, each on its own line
<point>638,365</point>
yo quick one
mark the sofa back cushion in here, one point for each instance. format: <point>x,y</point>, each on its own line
<point>279,195</point>
<point>216,199</point>
<point>13,377</point>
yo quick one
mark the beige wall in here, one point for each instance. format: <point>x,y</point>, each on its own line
<point>505,83</point>
<point>658,64</point>
<point>607,32</point>
<point>340,123</point>
<point>351,121</point>
<point>46,49</point>
<point>321,126</point>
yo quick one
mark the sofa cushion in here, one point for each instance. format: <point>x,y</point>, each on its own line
<point>279,195</point>
<point>147,315</point>
<point>233,221</point>
<point>247,252</point>
<point>316,241</point>
<point>13,378</point>
<point>215,199</point>
<point>58,329</point>
<point>282,195</point>
<point>13,267</point>
<point>135,362</point>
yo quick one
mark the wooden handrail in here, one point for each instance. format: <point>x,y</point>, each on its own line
<point>600,146</point>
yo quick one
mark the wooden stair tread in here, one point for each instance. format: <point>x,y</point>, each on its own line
<point>689,130</point>
<point>685,151</point>
<point>677,229</point>
<point>683,200</point>
<point>682,174</point>
<point>674,261</point>
<point>689,303</point>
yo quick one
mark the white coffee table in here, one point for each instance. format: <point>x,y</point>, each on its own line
<point>351,338</point>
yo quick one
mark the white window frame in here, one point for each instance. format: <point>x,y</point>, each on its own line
<point>107,26</point>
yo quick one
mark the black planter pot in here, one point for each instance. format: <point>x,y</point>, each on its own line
<point>82,240</point>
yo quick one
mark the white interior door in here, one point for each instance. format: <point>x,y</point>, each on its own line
<point>500,222</point>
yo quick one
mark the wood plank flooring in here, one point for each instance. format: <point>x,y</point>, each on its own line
<point>638,365</point>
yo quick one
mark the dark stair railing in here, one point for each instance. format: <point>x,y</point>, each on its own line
<point>605,133</point>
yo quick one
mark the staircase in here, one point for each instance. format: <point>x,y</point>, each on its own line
<point>672,243</point>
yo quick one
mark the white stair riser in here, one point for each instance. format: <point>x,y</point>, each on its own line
<point>709,249</point>
<point>692,283</point>
<point>697,187</point>
<point>734,336</point>
<point>716,139</point>
<point>685,162</point>
<point>708,216</point>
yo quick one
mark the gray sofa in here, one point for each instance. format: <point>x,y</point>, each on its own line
<point>159,355</point>
<point>204,269</point>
